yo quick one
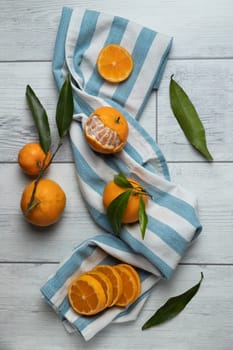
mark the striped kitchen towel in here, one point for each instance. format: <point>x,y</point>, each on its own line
<point>172,211</point>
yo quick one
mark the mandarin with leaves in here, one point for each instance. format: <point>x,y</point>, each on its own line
<point>32,159</point>
<point>113,190</point>
<point>125,201</point>
<point>48,202</point>
<point>106,130</point>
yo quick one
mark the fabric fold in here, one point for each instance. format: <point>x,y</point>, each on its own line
<point>173,221</point>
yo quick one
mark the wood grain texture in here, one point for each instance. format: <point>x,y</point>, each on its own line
<point>201,60</point>
<point>200,29</point>
<point>211,184</point>
<point>27,322</point>
<point>208,84</point>
<point>17,126</point>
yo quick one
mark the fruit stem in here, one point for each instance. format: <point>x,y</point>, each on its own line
<point>33,203</point>
<point>32,206</point>
<point>117,119</point>
<point>140,190</point>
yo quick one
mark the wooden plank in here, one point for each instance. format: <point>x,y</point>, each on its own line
<point>28,323</point>
<point>211,183</point>
<point>200,29</point>
<point>199,78</point>
<point>209,85</point>
<point>16,117</point>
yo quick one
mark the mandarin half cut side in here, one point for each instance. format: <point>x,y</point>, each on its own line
<point>114,63</point>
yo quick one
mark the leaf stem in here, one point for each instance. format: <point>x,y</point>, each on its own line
<point>142,191</point>
<point>34,202</point>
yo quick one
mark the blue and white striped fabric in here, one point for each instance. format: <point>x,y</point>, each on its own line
<point>173,222</point>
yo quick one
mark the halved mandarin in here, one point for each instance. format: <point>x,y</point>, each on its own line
<point>86,295</point>
<point>106,284</point>
<point>130,287</point>
<point>106,130</point>
<point>115,278</point>
<point>114,63</point>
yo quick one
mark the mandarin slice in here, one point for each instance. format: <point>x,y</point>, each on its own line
<point>115,278</point>
<point>106,284</point>
<point>134,273</point>
<point>114,63</point>
<point>86,295</point>
<point>130,287</point>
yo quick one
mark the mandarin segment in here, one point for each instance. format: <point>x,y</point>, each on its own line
<point>106,130</point>
<point>114,63</point>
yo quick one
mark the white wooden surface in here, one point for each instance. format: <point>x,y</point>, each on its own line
<point>202,61</point>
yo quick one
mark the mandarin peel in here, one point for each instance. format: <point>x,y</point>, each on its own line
<point>106,130</point>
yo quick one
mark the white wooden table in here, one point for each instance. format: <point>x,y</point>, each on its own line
<point>202,62</point>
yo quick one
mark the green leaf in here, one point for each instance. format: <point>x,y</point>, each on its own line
<point>65,108</point>
<point>188,118</point>
<point>172,307</point>
<point>143,218</point>
<point>122,181</point>
<point>115,210</point>
<point>41,119</point>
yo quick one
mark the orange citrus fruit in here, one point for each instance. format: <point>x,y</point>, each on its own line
<point>131,213</point>
<point>105,283</point>
<point>114,63</point>
<point>86,295</point>
<point>102,287</point>
<point>106,130</point>
<point>131,289</point>
<point>115,279</point>
<point>32,158</point>
<point>134,273</point>
<point>49,202</point>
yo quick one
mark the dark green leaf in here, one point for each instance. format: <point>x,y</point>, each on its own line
<point>122,181</point>
<point>143,219</point>
<point>172,307</point>
<point>116,210</point>
<point>188,118</point>
<point>41,119</point>
<point>65,108</point>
